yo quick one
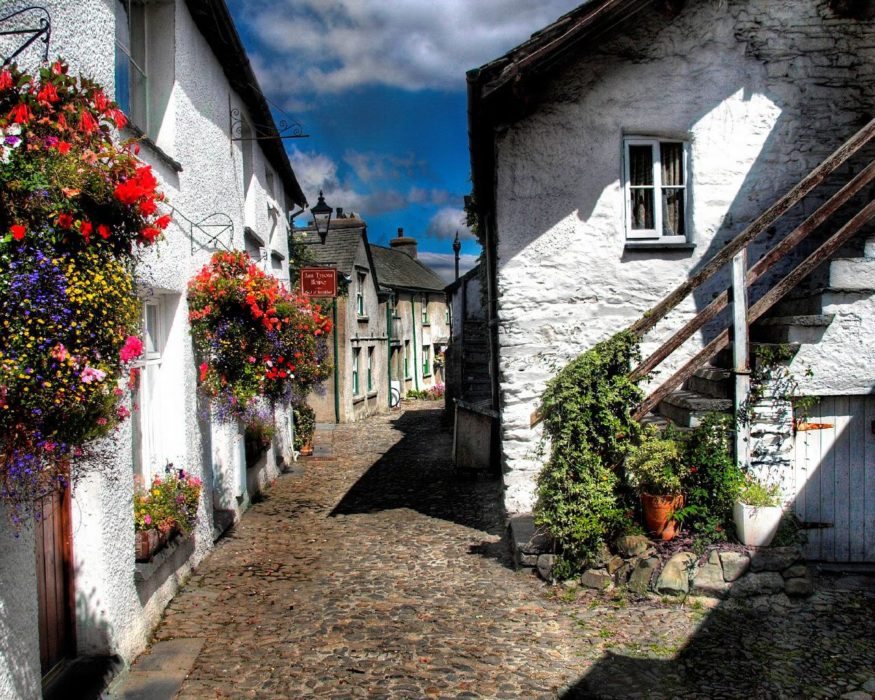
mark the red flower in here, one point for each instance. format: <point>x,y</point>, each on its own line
<point>63,148</point>
<point>86,229</point>
<point>18,231</point>
<point>103,231</point>
<point>20,114</point>
<point>5,80</point>
<point>163,221</point>
<point>58,68</point>
<point>150,233</point>
<point>204,370</point>
<point>118,117</point>
<point>65,220</point>
<point>132,349</point>
<point>87,123</point>
<point>148,207</point>
<point>47,95</point>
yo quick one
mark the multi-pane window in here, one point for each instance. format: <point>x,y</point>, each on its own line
<point>131,83</point>
<point>360,294</point>
<point>426,360</point>
<point>147,429</point>
<point>656,189</point>
<point>355,371</point>
<point>424,308</point>
<point>370,369</point>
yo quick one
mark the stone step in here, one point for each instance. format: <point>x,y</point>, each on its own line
<point>805,328</point>
<point>724,357</point>
<point>687,408</point>
<point>713,382</point>
<point>853,273</point>
<point>869,247</point>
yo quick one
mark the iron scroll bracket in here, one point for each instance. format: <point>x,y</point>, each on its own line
<point>207,232</point>
<point>30,34</point>
<point>287,128</point>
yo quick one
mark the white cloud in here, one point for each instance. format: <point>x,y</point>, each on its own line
<point>446,221</point>
<point>371,167</point>
<point>444,264</point>
<point>325,46</point>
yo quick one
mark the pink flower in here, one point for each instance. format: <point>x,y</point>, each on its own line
<point>147,519</point>
<point>132,349</point>
<point>122,412</point>
<point>90,374</point>
<point>101,421</point>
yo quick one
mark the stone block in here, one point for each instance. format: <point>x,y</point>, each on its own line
<point>632,546</point>
<point>525,560</point>
<point>674,579</point>
<point>764,583</point>
<point>796,571</point>
<point>735,565</point>
<point>642,574</point>
<point>526,537</point>
<point>621,575</point>
<point>799,586</point>
<point>708,581</point>
<point>599,579</point>
<point>602,557</point>
<point>774,558</point>
<point>614,564</point>
<point>545,566</point>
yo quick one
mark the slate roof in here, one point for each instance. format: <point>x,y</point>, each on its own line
<point>340,247</point>
<point>397,270</point>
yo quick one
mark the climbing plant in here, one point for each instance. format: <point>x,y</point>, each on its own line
<point>587,417</point>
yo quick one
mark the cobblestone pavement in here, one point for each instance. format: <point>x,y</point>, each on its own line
<point>380,573</point>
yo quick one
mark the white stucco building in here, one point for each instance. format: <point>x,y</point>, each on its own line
<point>618,150</point>
<point>179,71</point>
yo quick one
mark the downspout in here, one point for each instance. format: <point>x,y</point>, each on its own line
<point>389,347</point>
<point>336,364</point>
<point>415,364</point>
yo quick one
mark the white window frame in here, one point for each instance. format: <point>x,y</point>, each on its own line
<point>361,279</point>
<point>146,460</point>
<point>370,379</point>
<point>655,234</point>
<point>356,381</point>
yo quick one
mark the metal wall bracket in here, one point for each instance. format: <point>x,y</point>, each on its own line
<point>30,33</point>
<point>208,232</point>
<point>286,129</point>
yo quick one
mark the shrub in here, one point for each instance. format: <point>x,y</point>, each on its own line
<point>655,466</point>
<point>305,425</point>
<point>587,417</point>
<point>169,503</point>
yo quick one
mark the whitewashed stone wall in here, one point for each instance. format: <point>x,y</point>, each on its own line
<point>763,90</point>
<point>114,614</point>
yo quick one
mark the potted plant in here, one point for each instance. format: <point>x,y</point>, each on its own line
<point>757,512</point>
<point>305,427</point>
<point>258,434</point>
<point>655,469</point>
<point>168,506</point>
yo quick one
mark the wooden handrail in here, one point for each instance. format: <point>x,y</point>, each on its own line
<point>772,214</point>
<point>790,241</point>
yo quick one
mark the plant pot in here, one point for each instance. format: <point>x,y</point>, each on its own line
<point>756,525</point>
<point>146,543</point>
<point>306,449</point>
<point>659,513</point>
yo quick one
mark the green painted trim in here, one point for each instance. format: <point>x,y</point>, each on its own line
<point>336,364</point>
<point>415,362</point>
<point>389,314</point>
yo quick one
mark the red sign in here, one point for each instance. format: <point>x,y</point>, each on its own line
<point>318,282</point>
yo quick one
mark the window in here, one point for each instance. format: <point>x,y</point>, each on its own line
<point>407,359</point>
<point>424,309</point>
<point>145,47</point>
<point>131,86</point>
<point>656,190</point>
<point>426,360</point>
<point>370,369</point>
<point>355,371</point>
<point>360,295</point>
<point>254,246</point>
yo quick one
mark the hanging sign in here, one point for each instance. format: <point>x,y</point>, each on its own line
<point>318,282</point>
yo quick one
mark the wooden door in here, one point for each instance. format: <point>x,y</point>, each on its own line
<point>54,569</point>
<point>835,479</point>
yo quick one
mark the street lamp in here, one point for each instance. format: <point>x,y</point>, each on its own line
<point>321,217</point>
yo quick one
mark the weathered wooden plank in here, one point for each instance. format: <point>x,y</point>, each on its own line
<point>841,460</point>
<point>857,479</point>
<point>828,480</point>
<point>800,471</point>
<point>790,241</point>
<point>766,219</point>
<point>869,490</point>
<point>740,355</point>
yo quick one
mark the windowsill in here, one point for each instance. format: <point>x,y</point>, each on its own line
<point>143,571</point>
<point>362,319</point>
<point>172,163</point>
<point>396,317</point>
<point>426,375</point>
<point>426,323</point>
<point>372,394</point>
<point>659,245</point>
<point>357,399</point>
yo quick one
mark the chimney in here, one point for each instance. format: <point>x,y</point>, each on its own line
<point>404,243</point>
<point>339,214</point>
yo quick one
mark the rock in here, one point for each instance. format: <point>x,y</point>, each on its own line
<point>869,686</point>
<point>795,571</point>
<point>632,546</point>
<point>545,566</point>
<point>525,560</point>
<point>856,695</point>
<point>714,557</point>
<point>774,558</point>
<point>639,580</point>
<point>779,602</point>
<point>735,565</point>
<point>802,586</point>
<point>757,585</point>
<point>621,575</point>
<point>526,537</point>
<point>601,557</point>
<point>596,578</point>
<point>674,579</point>
<point>614,564</point>
<point>708,581</point>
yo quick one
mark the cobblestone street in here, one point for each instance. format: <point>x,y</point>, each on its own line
<point>377,572</point>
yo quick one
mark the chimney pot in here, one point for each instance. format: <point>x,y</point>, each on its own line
<point>339,212</point>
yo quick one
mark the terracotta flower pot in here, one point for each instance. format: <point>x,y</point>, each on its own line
<point>659,513</point>
<point>145,544</point>
<point>306,450</point>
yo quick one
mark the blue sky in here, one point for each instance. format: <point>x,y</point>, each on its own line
<point>379,85</point>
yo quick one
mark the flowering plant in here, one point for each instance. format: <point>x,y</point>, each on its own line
<point>170,502</point>
<point>254,338</point>
<point>74,210</point>
<point>305,425</point>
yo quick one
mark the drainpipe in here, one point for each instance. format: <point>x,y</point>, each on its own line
<point>415,364</point>
<point>336,364</point>
<point>389,348</point>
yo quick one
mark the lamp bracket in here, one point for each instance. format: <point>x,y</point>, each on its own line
<point>286,129</point>
<point>208,231</point>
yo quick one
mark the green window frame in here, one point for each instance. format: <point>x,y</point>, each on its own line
<point>424,309</point>
<point>370,369</point>
<point>355,371</point>
<point>426,360</point>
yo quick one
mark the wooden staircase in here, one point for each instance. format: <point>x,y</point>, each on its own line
<point>717,378</point>
<point>476,384</point>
